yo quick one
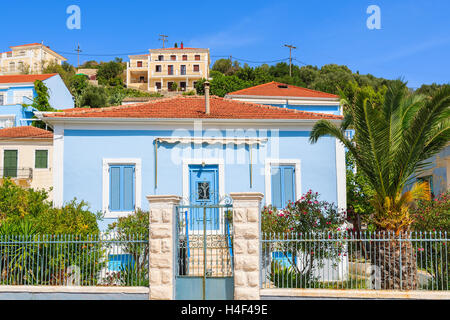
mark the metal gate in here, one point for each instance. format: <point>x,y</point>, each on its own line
<point>204,264</point>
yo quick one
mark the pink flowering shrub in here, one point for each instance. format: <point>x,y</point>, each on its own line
<point>308,219</point>
<point>432,215</point>
<point>308,214</point>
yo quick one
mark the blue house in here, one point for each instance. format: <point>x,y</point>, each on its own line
<point>192,146</point>
<point>437,173</point>
<point>16,90</point>
<point>288,96</point>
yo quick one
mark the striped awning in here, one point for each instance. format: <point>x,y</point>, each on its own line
<point>248,140</point>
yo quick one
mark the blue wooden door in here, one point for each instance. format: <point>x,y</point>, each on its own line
<point>204,191</point>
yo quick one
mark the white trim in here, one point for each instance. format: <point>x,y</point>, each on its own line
<point>268,180</point>
<point>211,161</point>
<point>48,159</point>
<point>341,185</point>
<point>58,165</point>
<point>106,162</point>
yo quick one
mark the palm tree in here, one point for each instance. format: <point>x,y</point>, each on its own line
<point>392,141</point>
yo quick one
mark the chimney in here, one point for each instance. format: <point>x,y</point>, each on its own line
<point>181,45</point>
<point>206,86</point>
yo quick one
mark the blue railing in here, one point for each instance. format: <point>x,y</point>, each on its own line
<point>187,233</point>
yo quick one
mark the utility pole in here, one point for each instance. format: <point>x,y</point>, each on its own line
<point>290,57</point>
<point>163,38</point>
<point>78,50</point>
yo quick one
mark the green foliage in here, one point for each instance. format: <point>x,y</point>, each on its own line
<point>94,97</point>
<point>174,86</point>
<point>73,218</point>
<point>136,223</point>
<point>66,71</point>
<point>27,214</point>
<point>78,84</point>
<point>359,193</point>
<point>20,206</point>
<point>430,89</point>
<point>128,228</point>
<point>287,277</point>
<point>391,144</point>
<point>189,93</point>
<point>228,76</point>
<point>17,203</point>
<point>111,73</point>
<point>432,221</point>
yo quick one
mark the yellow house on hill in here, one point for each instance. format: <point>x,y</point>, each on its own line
<point>28,58</point>
<point>162,68</point>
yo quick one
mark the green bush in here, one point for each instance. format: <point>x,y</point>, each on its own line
<point>36,248</point>
<point>132,227</point>
<point>431,221</point>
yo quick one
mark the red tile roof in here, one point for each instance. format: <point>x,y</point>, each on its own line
<point>25,78</point>
<point>192,107</point>
<point>25,132</point>
<point>277,89</point>
<point>29,44</point>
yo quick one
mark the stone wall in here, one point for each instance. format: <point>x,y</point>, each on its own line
<point>246,238</point>
<point>162,252</point>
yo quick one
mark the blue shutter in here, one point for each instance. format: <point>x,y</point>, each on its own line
<point>121,188</point>
<point>276,187</point>
<point>283,185</point>
<point>128,188</point>
<point>114,188</point>
<point>289,184</point>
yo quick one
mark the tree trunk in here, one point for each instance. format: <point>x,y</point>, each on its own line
<point>394,262</point>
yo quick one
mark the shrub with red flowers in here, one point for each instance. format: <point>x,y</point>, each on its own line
<point>308,214</point>
<point>432,219</point>
<point>311,220</point>
<point>432,215</point>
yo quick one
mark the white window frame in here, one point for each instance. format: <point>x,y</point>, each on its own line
<point>6,117</point>
<point>105,185</point>
<point>268,176</point>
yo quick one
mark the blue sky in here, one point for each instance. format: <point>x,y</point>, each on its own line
<point>413,42</point>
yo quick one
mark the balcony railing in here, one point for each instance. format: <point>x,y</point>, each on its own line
<point>16,173</point>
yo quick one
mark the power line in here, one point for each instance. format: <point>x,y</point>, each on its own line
<point>146,52</point>
<point>102,54</point>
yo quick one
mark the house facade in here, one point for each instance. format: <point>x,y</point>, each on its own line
<point>16,90</point>
<point>29,58</point>
<point>437,174</point>
<point>26,157</point>
<point>114,157</point>
<point>161,68</point>
<point>289,96</point>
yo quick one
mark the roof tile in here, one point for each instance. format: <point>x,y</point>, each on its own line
<point>25,132</point>
<point>192,107</point>
<point>25,78</point>
<point>277,89</point>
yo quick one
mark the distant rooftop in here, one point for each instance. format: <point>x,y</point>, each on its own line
<point>25,132</point>
<point>25,78</point>
<point>277,89</point>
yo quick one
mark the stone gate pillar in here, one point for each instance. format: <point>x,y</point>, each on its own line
<point>247,244</point>
<point>162,253</point>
